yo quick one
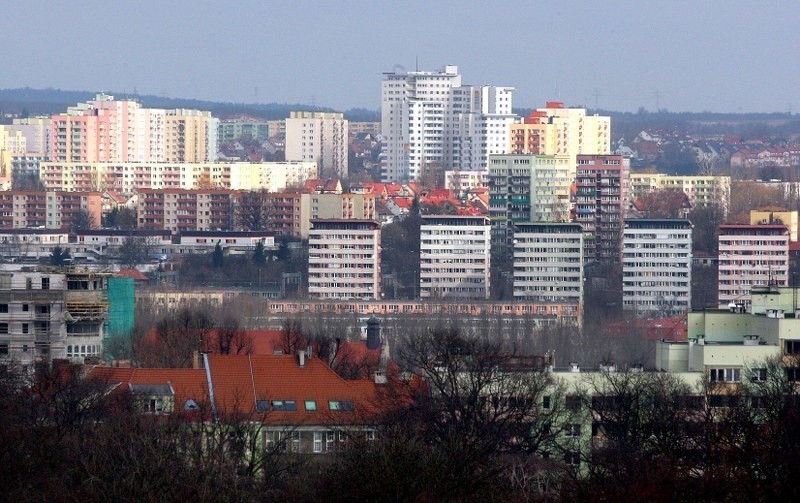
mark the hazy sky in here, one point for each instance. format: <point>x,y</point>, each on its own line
<point>724,56</point>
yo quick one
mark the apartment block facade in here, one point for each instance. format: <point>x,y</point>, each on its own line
<point>548,263</point>
<point>751,256</point>
<point>559,130</point>
<point>128,178</point>
<point>657,266</point>
<point>50,210</point>
<point>527,188</point>
<point>232,129</point>
<point>601,192</point>
<point>430,122</point>
<point>455,257</point>
<point>185,210</point>
<point>319,137</point>
<point>120,131</point>
<point>344,259</point>
<point>45,315</point>
<point>701,190</point>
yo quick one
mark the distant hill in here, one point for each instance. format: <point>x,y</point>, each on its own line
<point>50,101</point>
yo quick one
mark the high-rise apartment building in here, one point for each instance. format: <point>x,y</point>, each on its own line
<point>430,122</point>
<point>344,259</point>
<point>109,130</point>
<point>558,130</point>
<point>318,137</point>
<point>36,131</point>
<point>751,256</point>
<point>189,136</point>
<point>234,128</point>
<point>527,188</point>
<point>657,266</point>
<point>548,263</point>
<point>601,192</point>
<point>479,122</point>
<point>454,259</point>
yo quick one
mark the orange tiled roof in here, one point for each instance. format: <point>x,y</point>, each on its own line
<point>239,382</point>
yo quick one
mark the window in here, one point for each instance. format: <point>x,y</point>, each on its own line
<point>310,405</point>
<point>546,402</point>
<point>330,440</point>
<point>45,283</point>
<point>792,347</point>
<point>572,458</point>
<point>3,328</point>
<point>3,348</point>
<point>317,442</point>
<point>3,308</point>
<point>725,375</point>
<point>25,307</point>
<point>573,430</point>
<point>262,405</point>
<point>284,405</point>
<point>295,441</point>
<point>342,405</point>
<point>793,374</point>
<point>758,375</point>
<point>156,405</point>
<point>24,328</point>
<point>573,402</point>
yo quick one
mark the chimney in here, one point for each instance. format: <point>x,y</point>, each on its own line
<point>574,367</point>
<point>373,333</point>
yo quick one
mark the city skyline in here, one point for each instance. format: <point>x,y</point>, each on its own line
<point>715,56</point>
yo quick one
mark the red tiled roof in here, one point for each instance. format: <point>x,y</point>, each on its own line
<point>240,381</point>
<point>187,383</point>
<point>136,274</point>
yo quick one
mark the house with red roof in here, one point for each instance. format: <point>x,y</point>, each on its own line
<point>294,400</point>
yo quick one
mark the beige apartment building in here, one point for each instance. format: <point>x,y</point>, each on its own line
<point>129,178</point>
<point>701,190</point>
<point>344,259</point>
<point>50,210</point>
<point>320,137</point>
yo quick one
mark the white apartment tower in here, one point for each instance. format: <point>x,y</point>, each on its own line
<point>480,121</point>
<point>751,256</point>
<point>344,259</point>
<point>321,138</point>
<point>430,121</point>
<point>454,257</point>
<point>548,262</point>
<point>657,266</point>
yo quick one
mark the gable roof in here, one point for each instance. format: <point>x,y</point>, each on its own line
<point>247,386</point>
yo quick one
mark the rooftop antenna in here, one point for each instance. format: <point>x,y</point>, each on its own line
<point>596,95</point>
<point>416,63</point>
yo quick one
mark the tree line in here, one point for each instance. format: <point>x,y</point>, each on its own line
<point>473,421</point>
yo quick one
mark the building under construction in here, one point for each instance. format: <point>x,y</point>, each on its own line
<point>49,313</point>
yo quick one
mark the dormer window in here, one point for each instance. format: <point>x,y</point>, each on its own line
<point>340,405</point>
<point>284,405</point>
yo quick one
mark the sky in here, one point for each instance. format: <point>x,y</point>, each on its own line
<point>719,56</point>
